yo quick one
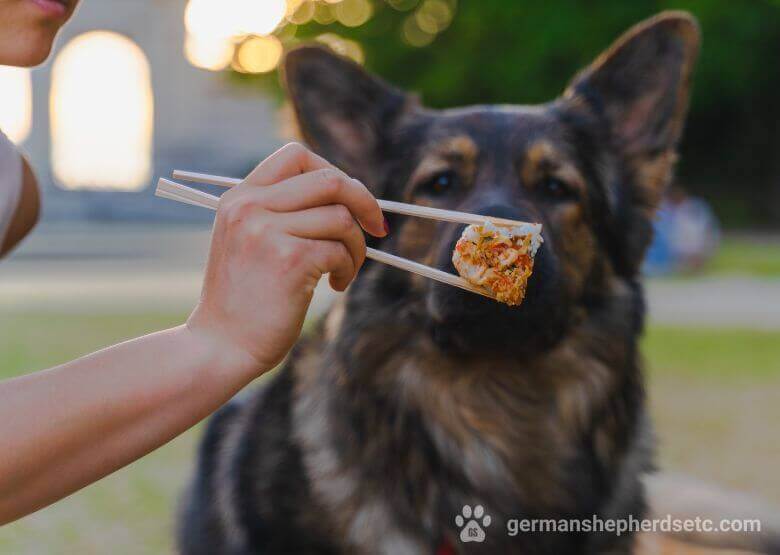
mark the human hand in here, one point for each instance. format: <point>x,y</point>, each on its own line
<point>295,218</point>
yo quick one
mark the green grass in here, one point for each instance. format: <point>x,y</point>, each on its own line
<point>738,256</point>
<point>31,342</point>
<point>716,354</point>
<point>695,375</point>
<point>129,512</point>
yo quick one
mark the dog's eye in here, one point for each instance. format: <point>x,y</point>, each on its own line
<point>439,184</point>
<point>554,188</point>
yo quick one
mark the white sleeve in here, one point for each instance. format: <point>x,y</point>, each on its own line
<point>10,183</point>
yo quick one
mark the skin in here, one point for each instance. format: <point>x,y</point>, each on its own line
<point>417,398</point>
<point>27,31</point>
<point>294,219</point>
<point>27,34</point>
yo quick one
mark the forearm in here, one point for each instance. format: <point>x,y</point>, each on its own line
<point>66,427</point>
<point>293,220</point>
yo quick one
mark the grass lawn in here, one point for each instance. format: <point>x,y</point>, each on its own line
<point>740,256</point>
<point>713,394</point>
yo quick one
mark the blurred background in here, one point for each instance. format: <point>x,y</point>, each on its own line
<point>136,89</point>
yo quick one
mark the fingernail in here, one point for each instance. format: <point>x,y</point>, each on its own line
<point>386,226</point>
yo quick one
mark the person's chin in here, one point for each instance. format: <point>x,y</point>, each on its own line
<point>29,53</point>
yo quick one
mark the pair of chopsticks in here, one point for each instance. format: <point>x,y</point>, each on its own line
<point>181,193</point>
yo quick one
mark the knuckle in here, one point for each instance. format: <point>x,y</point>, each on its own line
<point>360,188</point>
<point>231,210</point>
<point>290,251</point>
<point>332,180</point>
<point>295,149</point>
<point>240,211</point>
<point>326,254</point>
<point>227,201</point>
<point>257,229</point>
<point>231,194</point>
<point>341,254</point>
<point>344,218</point>
<point>290,255</point>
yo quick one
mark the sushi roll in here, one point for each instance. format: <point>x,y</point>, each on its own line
<point>498,258</point>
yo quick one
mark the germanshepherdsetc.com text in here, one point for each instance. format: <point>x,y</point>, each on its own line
<point>666,524</point>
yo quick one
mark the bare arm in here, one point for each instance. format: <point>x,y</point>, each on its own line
<point>294,220</point>
<point>69,426</point>
<point>26,215</point>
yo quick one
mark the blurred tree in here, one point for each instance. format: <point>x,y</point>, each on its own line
<point>522,51</point>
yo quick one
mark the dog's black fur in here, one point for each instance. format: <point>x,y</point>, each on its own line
<point>416,398</point>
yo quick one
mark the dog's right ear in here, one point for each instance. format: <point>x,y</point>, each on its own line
<point>638,92</point>
<point>640,88</point>
<point>345,114</point>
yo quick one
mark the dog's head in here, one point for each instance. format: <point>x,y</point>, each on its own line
<point>590,166</point>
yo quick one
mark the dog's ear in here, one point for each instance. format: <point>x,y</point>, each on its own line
<point>345,114</point>
<point>639,87</point>
<point>636,94</point>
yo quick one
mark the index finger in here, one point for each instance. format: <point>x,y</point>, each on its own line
<point>324,187</point>
<point>290,160</point>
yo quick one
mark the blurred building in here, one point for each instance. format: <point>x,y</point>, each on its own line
<point>118,104</point>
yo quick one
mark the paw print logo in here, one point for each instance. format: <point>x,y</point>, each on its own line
<point>472,523</point>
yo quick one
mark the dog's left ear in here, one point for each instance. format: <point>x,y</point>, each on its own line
<point>640,88</point>
<point>345,114</point>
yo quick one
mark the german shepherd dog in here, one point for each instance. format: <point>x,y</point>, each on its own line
<point>415,398</point>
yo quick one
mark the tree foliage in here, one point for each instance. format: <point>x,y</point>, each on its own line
<point>523,51</point>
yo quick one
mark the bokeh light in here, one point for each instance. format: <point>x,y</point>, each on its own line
<point>323,14</point>
<point>230,18</point>
<point>214,27</point>
<point>15,103</point>
<point>433,16</point>
<point>428,20</point>
<point>353,13</point>
<point>206,19</point>
<point>212,53</point>
<point>102,112</point>
<point>293,6</point>
<point>413,35</point>
<point>303,14</point>
<point>343,47</point>
<point>258,17</point>
<point>403,5</point>
<point>225,33</point>
<point>259,54</point>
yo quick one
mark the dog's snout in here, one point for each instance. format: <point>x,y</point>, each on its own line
<point>507,211</point>
<point>450,238</point>
<point>502,211</point>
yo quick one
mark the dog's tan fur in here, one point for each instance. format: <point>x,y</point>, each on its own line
<point>414,398</point>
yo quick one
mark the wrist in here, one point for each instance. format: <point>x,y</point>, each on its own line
<point>223,358</point>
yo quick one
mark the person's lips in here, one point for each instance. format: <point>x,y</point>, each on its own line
<point>53,8</point>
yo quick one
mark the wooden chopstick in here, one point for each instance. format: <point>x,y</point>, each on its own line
<point>425,271</point>
<point>386,205</point>
<point>195,177</point>
<point>181,193</point>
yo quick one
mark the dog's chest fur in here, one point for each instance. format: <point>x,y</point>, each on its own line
<point>396,436</point>
<point>375,435</point>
